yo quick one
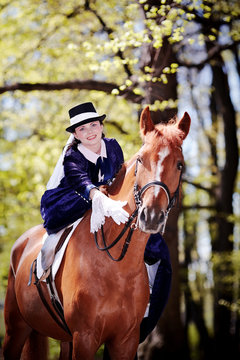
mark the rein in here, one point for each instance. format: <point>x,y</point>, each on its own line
<point>127,226</point>
<point>138,193</point>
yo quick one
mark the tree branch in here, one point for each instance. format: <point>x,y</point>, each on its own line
<point>109,31</point>
<point>198,186</point>
<point>198,207</point>
<point>212,21</point>
<point>214,52</point>
<point>76,84</point>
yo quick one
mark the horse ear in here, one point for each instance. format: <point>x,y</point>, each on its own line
<point>146,123</point>
<point>184,124</point>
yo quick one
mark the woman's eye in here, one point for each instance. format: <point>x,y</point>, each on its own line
<point>180,165</point>
<point>94,124</point>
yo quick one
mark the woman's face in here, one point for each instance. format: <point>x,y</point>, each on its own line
<point>90,135</point>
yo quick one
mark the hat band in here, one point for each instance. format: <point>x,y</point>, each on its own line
<point>81,117</point>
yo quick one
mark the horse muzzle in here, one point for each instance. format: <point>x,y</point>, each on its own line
<point>151,221</point>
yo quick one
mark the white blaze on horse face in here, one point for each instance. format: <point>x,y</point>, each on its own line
<point>162,155</point>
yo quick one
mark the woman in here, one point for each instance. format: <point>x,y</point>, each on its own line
<point>91,160</point>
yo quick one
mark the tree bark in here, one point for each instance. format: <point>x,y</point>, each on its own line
<point>226,339</point>
<point>170,327</point>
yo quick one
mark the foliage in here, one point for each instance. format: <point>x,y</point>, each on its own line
<point>30,151</point>
<point>55,54</point>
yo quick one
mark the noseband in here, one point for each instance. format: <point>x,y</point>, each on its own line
<point>138,193</point>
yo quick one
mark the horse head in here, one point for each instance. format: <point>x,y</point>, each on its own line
<point>158,172</point>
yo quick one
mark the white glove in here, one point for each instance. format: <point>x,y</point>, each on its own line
<point>104,206</point>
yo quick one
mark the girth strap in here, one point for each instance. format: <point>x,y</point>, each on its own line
<point>60,320</point>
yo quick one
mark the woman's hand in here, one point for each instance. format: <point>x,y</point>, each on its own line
<point>92,192</point>
<point>104,206</point>
<point>104,189</point>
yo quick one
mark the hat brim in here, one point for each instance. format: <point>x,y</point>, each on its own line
<point>72,128</point>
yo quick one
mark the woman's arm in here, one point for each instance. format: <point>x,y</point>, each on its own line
<point>77,174</point>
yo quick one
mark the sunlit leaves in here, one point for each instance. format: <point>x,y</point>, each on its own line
<point>57,40</point>
<point>55,36</point>
<point>163,105</point>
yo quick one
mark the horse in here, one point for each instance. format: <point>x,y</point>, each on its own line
<point>104,300</point>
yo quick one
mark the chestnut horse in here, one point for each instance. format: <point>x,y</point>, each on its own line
<point>104,301</point>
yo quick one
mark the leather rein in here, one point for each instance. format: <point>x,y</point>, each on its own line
<point>129,225</point>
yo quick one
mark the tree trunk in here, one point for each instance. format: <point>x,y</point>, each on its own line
<point>170,326</point>
<point>226,339</point>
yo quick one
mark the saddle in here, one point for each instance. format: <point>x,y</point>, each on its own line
<point>57,313</point>
<point>56,252</point>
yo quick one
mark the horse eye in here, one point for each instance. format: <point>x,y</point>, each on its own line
<point>139,159</point>
<point>180,165</point>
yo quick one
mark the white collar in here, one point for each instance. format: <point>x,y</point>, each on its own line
<point>92,156</point>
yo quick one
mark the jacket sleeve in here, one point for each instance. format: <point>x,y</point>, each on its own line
<point>76,171</point>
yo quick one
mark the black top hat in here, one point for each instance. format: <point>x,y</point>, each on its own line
<point>83,114</point>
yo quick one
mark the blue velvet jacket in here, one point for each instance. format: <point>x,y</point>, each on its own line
<point>68,202</point>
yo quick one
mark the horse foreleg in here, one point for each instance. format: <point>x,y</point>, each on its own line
<point>84,346</point>
<point>106,355</point>
<point>17,331</point>
<point>122,350</point>
<point>66,351</point>
<point>35,347</point>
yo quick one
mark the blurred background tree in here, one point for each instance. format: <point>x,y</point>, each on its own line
<point>122,55</point>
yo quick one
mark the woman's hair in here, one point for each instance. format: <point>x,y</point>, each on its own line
<point>74,143</point>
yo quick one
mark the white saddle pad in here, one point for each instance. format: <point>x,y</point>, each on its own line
<point>59,255</point>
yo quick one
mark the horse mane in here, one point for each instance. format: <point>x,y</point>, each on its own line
<point>166,133</point>
<point>119,177</point>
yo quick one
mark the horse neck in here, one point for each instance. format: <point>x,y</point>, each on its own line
<point>122,189</point>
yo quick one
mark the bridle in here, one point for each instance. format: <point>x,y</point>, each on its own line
<point>171,200</point>
<point>129,225</point>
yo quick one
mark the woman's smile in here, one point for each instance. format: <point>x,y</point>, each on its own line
<point>91,137</point>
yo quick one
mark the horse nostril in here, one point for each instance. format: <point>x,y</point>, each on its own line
<point>146,218</point>
<point>143,215</point>
<point>161,216</point>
